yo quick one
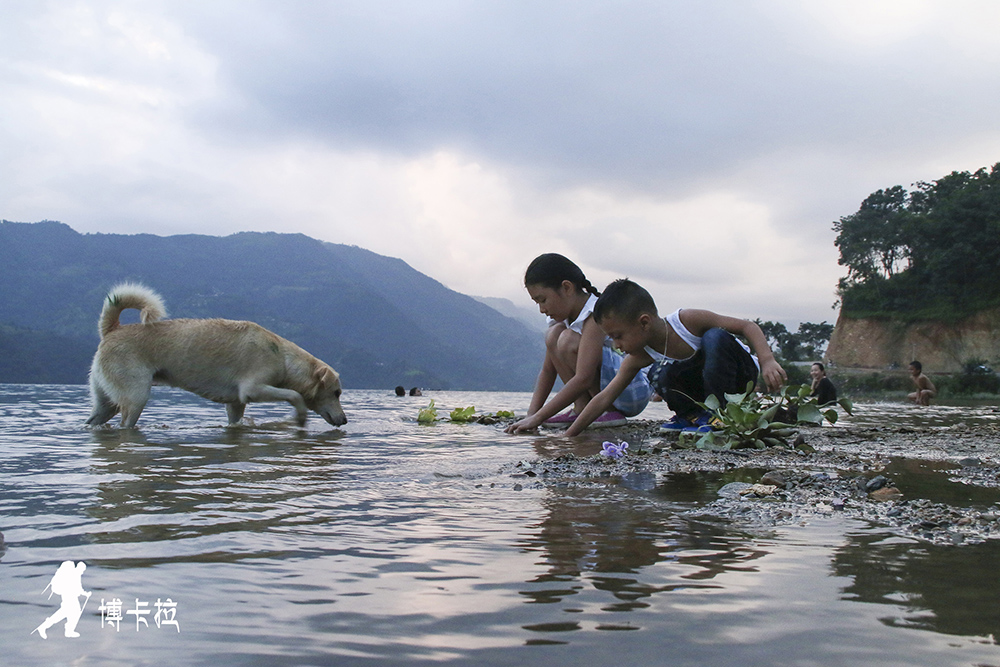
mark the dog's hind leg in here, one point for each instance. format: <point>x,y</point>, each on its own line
<point>132,406</point>
<point>235,412</point>
<point>130,415</point>
<point>104,408</point>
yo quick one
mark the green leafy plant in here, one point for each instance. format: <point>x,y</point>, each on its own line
<point>462,414</point>
<point>802,408</point>
<point>755,420</point>
<point>428,415</point>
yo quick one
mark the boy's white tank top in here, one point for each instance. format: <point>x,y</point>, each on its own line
<point>674,320</point>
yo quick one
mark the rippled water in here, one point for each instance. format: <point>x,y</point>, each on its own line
<point>388,542</point>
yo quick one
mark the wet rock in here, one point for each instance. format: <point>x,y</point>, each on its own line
<point>969,462</point>
<point>734,489</point>
<point>876,483</point>
<point>518,487</point>
<point>885,493</point>
<point>759,490</point>
<point>838,503</point>
<point>774,478</point>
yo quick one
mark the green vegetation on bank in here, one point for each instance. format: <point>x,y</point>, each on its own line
<point>931,253</point>
<point>806,344</point>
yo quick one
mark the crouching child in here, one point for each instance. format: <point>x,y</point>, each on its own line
<point>691,354</point>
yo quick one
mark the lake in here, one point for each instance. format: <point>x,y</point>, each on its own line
<point>389,542</point>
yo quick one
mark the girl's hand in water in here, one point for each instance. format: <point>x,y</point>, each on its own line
<point>527,424</point>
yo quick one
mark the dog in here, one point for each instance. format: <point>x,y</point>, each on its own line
<point>225,361</point>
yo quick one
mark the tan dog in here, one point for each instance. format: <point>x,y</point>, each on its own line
<point>222,360</point>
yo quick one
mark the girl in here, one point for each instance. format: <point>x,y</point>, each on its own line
<point>822,388</point>
<point>576,350</point>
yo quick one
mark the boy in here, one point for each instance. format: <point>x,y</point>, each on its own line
<point>693,353</point>
<point>925,388</point>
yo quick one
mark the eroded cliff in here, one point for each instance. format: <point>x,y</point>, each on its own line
<point>943,347</point>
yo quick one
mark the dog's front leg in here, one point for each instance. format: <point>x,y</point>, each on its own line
<point>264,392</point>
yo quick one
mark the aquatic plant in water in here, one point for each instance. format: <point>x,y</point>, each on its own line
<point>462,414</point>
<point>614,451</point>
<point>427,415</point>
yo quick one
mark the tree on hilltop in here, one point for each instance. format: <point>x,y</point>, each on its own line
<point>929,253</point>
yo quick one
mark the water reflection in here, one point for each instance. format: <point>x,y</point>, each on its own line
<point>164,488</point>
<point>942,589</point>
<point>590,537</point>
<point>388,541</point>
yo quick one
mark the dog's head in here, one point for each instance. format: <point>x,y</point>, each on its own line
<point>323,397</point>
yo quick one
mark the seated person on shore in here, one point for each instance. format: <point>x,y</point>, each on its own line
<point>822,388</point>
<point>925,388</point>
<point>693,354</point>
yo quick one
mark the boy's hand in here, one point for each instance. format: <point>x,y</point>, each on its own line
<point>774,375</point>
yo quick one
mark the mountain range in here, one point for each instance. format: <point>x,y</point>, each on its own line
<point>375,319</point>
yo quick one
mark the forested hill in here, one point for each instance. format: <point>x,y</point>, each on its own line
<point>931,253</point>
<point>379,322</point>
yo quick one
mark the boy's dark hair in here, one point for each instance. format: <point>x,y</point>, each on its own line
<point>625,299</point>
<point>918,366</point>
<point>551,269</point>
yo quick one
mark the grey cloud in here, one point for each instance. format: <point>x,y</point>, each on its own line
<point>610,91</point>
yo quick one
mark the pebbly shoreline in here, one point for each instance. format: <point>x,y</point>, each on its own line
<point>851,471</point>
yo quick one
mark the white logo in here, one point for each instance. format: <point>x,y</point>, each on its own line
<point>67,583</point>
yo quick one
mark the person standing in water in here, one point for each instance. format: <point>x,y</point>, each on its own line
<point>576,350</point>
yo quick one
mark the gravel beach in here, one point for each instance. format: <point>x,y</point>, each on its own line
<point>937,484</point>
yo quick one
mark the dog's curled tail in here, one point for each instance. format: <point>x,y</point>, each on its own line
<point>130,295</point>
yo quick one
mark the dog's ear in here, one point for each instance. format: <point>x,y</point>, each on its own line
<point>324,377</point>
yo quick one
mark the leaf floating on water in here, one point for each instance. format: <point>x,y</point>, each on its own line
<point>428,415</point>
<point>462,414</point>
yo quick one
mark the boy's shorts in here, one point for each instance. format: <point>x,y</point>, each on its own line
<point>636,396</point>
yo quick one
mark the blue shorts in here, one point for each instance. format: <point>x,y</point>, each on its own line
<point>636,396</point>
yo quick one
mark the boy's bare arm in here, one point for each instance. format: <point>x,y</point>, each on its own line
<point>700,321</point>
<point>599,404</point>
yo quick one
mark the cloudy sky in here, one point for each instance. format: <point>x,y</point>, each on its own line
<point>703,148</point>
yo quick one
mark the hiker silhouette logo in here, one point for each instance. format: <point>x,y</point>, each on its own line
<point>67,583</point>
